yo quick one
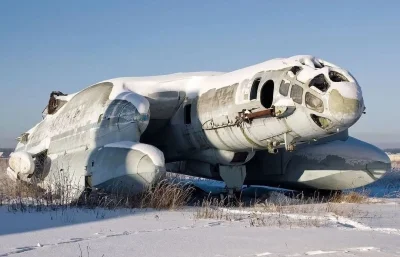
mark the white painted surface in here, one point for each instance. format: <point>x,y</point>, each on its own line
<point>154,153</point>
<point>352,150</point>
<point>21,162</point>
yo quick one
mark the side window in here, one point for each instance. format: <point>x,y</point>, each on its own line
<point>267,94</point>
<point>284,88</point>
<point>296,94</point>
<point>314,103</point>
<point>187,117</point>
<point>254,89</point>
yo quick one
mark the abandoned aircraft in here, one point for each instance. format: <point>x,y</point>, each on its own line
<point>283,122</point>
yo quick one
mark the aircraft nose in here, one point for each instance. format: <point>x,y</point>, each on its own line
<point>346,104</point>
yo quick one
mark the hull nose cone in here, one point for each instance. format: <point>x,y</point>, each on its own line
<point>339,165</point>
<point>346,109</point>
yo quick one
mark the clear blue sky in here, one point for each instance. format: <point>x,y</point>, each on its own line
<point>67,45</point>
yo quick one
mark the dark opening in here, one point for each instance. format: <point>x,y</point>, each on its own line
<point>239,157</point>
<point>320,83</point>
<point>284,88</point>
<point>188,119</point>
<point>267,94</point>
<point>295,69</point>
<point>337,77</point>
<point>297,94</point>
<point>100,118</point>
<point>321,122</point>
<point>40,161</point>
<point>88,183</point>
<point>254,89</point>
<point>55,104</point>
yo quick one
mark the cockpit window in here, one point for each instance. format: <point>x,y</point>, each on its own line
<point>337,77</point>
<point>284,88</point>
<point>314,103</point>
<point>54,103</point>
<point>296,94</point>
<point>320,83</point>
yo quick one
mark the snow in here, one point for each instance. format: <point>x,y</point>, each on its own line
<point>120,93</point>
<point>373,229</point>
<point>193,82</point>
<point>263,254</point>
<point>65,97</point>
<point>101,232</point>
<point>318,252</point>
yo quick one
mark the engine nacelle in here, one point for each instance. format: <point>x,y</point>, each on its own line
<point>21,164</point>
<point>126,167</point>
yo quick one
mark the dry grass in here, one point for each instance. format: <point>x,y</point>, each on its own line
<point>279,210</point>
<point>20,196</point>
<point>274,210</point>
<point>166,195</point>
<point>350,197</point>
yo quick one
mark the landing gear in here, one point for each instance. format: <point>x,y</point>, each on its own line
<point>233,177</point>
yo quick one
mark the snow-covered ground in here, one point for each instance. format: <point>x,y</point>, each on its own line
<point>321,229</point>
<point>79,232</point>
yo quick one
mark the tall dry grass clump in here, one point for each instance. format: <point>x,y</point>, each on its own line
<point>166,195</point>
<point>21,196</point>
<point>280,210</point>
<point>350,197</point>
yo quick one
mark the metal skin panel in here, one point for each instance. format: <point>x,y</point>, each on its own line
<point>332,165</point>
<point>211,117</point>
<point>123,170</point>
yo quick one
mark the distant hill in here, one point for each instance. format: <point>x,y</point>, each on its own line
<point>5,152</point>
<point>392,150</point>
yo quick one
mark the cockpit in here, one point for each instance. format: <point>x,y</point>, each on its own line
<point>55,103</point>
<point>331,95</point>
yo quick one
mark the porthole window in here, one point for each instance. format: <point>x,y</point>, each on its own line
<point>284,88</point>
<point>320,83</point>
<point>254,88</point>
<point>314,103</point>
<point>296,94</point>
